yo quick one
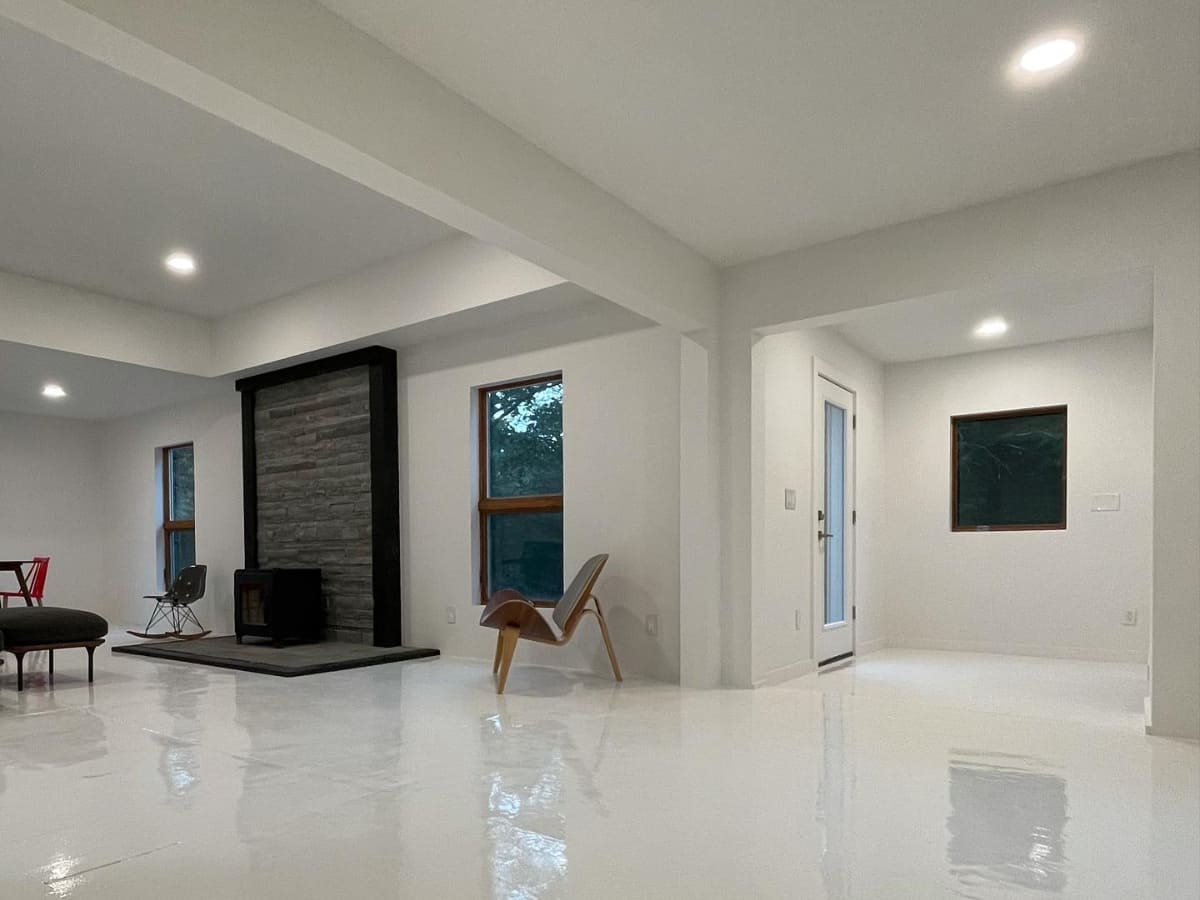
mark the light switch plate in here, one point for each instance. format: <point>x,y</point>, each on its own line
<point>451,615</point>
<point>1106,502</point>
<point>652,625</point>
<point>789,498</point>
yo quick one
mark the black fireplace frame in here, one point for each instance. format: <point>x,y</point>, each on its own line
<point>385,473</point>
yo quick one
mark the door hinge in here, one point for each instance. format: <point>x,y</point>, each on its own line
<point>854,517</point>
<point>854,421</point>
<point>854,613</point>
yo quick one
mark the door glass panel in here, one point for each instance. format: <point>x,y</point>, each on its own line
<point>835,514</point>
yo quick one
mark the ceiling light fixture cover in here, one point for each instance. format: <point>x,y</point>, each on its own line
<point>180,263</point>
<point>989,328</point>
<point>1048,55</point>
<point>53,391</point>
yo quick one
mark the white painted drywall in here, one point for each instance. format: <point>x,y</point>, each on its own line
<point>621,495</point>
<point>51,504</point>
<point>1046,593</point>
<point>1144,215</point>
<point>132,505</point>
<point>784,539</point>
<point>408,136</point>
<point>699,538</point>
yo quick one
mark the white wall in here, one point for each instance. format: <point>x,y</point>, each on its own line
<point>621,494</point>
<point>782,448</point>
<point>1144,215</point>
<point>132,505</point>
<point>51,504</point>
<point>1051,593</point>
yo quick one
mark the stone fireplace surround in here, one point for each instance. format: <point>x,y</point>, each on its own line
<point>320,480</point>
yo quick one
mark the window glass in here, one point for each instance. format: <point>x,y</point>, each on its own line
<point>180,461</point>
<point>525,440</point>
<point>526,553</point>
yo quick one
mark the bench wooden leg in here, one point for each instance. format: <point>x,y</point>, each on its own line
<point>499,648</point>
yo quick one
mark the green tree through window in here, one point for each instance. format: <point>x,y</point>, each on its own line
<point>521,484</point>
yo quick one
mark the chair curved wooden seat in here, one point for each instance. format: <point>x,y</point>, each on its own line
<point>519,618</point>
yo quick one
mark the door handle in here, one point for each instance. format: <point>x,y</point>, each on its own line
<point>825,534</point>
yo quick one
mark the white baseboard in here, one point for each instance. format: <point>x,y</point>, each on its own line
<point>1048,651</point>
<point>865,647</point>
<point>787,673</point>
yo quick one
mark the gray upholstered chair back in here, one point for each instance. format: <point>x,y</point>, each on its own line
<point>578,591</point>
<point>189,584</point>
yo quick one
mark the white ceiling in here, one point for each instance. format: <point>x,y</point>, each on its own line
<point>102,175</point>
<point>928,327</point>
<point>757,126</point>
<point>96,388</point>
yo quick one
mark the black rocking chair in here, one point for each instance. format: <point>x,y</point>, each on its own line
<point>173,609</point>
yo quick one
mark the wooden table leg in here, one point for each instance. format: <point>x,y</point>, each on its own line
<point>24,587</point>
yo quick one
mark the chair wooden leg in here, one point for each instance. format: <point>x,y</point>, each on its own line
<point>499,648</point>
<point>508,639</point>
<point>608,644</point>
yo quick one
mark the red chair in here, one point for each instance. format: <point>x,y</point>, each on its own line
<point>36,579</point>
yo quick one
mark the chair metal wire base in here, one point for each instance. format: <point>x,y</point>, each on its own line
<point>175,617</point>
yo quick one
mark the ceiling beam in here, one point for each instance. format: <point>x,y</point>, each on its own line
<point>295,74</point>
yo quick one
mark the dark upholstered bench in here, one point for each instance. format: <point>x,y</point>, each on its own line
<point>23,630</point>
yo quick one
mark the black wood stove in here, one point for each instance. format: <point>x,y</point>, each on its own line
<point>283,605</point>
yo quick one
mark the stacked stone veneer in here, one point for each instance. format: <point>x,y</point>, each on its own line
<point>312,441</point>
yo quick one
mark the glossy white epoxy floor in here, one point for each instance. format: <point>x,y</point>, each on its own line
<point>913,774</point>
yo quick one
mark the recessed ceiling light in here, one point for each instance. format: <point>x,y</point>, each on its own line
<point>1048,54</point>
<point>989,328</point>
<point>180,263</point>
<point>53,391</point>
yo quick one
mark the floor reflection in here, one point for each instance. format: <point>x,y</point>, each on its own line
<point>833,799</point>
<point>526,828</point>
<point>1007,816</point>
<point>181,690</point>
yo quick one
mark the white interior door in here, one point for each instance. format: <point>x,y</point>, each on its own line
<point>833,499</point>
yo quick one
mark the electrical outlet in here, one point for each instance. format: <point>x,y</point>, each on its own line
<point>451,615</point>
<point>652,625</point>
<point>1130,617</point>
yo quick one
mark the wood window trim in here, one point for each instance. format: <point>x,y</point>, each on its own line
<point>1061,525</point>
<point>171,526</point>
<point>488,506</point>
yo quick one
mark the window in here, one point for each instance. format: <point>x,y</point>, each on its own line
<point>179,510</point>
<point>1009,470</point>
<point>521,488</point>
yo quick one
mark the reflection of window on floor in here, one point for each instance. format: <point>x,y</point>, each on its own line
<point>179,510</point>
<point>520,488</point>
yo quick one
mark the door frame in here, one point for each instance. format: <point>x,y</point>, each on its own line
<point>822,369</point>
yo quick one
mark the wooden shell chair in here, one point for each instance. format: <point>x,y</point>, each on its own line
<point>519,618</point>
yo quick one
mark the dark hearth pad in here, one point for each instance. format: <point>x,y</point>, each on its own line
<point>288,661</point>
